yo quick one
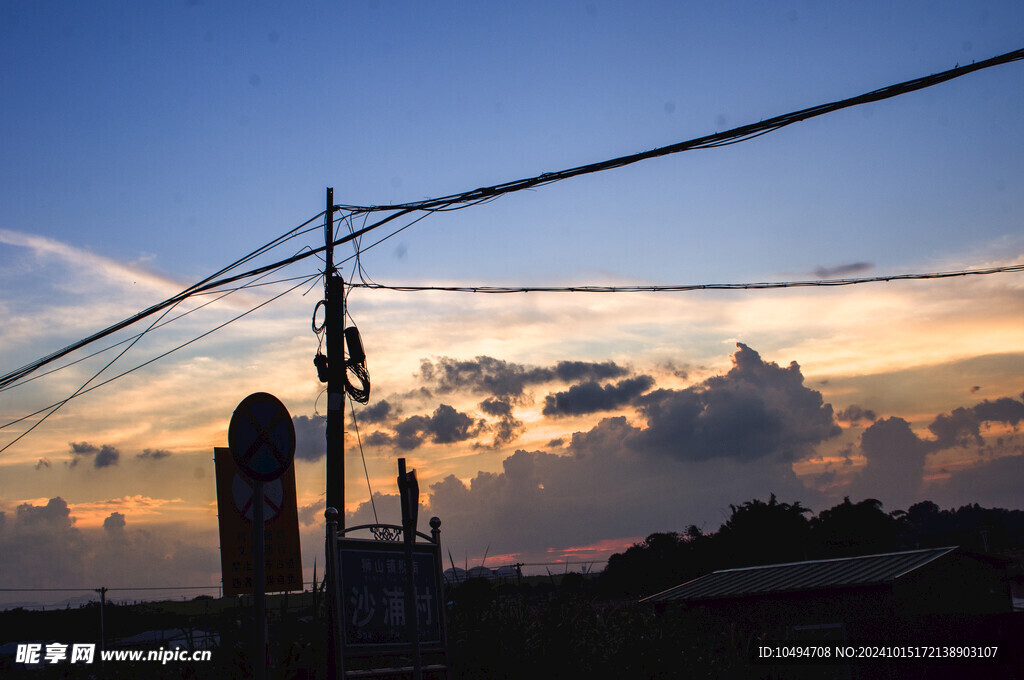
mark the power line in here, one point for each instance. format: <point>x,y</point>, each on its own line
<point>486,194</point>
<point>732,136</point>
<point>206,284</point>
<point>693,287</point>
<point>150,361</point>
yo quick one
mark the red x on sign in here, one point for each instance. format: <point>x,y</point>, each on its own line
<point>262,437</point>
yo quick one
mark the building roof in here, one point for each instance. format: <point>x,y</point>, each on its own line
<point>793,576</point>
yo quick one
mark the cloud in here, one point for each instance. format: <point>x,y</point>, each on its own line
<point>105,456</point>
<point>153,454</point>
<point>843,270</point>
<point>310,437</point>
<point>445,426</point>
<point>591,397</point>
<point>44,548</point>
<point>117,272</point>
<point>729,438</point>
<point>508,427</point>
<point>379,412</point>
<point>854,414</point>
<point>996,482</point>
<point>962,426</point>
<point>114,524</point>
<point>43,463</point>
<point>757,409</point>
<point>487,375</point>
<point>895,463</point>
<point>54,515</point>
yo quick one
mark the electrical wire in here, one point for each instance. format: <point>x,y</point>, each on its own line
<point>486,194</point>
<point>742,133</point>
<point>695,287</point>
<point>209,283</point>
<point>355,424</point>
<point>81,389</point>
<point>159,356</point>
<point>221,294</point>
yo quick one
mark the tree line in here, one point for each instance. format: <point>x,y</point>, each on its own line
<point>770,532</point>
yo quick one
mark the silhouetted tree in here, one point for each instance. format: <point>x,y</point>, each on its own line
<point>854,529</point>
<point>764,533</point>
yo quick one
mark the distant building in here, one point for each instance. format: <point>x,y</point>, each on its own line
<point>906,597</point>
<point>455,575</point>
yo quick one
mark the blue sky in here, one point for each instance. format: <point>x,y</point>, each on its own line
<point>145,146</point>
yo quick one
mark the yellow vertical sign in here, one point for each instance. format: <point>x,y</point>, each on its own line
<point>283,561</point>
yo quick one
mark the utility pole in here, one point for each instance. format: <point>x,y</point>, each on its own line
<point>334,325</point>
<point>103,635</point>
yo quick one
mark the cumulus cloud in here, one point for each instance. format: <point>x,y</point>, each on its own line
<point>103,456</point>
<point>732,437</point>
<point>896,455</point>
<point>153,454</point>
<point>43,548</point>
<point>114,523</point>
<point>962,426</point>
<point>507,427</point>
<point>757,409</point>
<point>499,378</point>
<point>854,414</point>
<point>895,462</point>
<point>310,437</point>
<point>378,412</point>
<point>445,426</point>
<point>591,396</point>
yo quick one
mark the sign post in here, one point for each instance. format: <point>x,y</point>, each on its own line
<point>261,437</point>
<point>409,491</point>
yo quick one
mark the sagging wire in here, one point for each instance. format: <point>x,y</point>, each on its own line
<point>221,294</point>
<point>164,354</point>
<point>366,471</point>
<point>82,389</point>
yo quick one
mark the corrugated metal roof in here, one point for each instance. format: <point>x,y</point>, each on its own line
<point>774,578</point>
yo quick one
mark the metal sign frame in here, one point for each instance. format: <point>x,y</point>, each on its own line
<point>374,612</point>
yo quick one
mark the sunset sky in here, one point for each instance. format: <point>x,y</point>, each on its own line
<point>148,146</point>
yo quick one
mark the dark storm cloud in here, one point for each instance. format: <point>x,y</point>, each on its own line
<point>757,409</point>
<point>310,437</point>
<point>487,375</point>
<point>962,426</point>
<point>445,426</point>
<point>855,413</point>
<point>843,270</point>
<point>153,454</point>
<point>591,396</point>
<point>104,456</point>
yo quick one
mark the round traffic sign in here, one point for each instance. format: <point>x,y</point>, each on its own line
<point>243,496</point>
<point>262,437</point>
